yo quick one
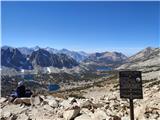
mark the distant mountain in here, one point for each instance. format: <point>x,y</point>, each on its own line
<point>44,58</point>
<point>79,56</point>
<point>148,57</point>
<point>51,50</point>
<point>33,57</point>
<point>147,61</point>
<point>28,51</point>
<point>12,57</point>
<point>144,54</point>
<point>25,50</point>
<point>106,59</point>
<point>6,47</point>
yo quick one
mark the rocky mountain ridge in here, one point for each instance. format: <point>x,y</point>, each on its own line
<point>49,59</point>
<point>43,58</point>
<point>13,58</point>
<point>147,61</point>
<point>78,56</point>
<point>108,59</point>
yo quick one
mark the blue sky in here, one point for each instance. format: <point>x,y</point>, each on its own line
<point>88,26</point>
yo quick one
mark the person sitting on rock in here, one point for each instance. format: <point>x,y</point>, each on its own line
<point>21,90</point>
<point>18,93</point>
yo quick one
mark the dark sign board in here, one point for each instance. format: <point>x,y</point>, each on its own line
<point>130,84</point>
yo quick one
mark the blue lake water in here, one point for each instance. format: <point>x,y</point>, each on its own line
<point>53,87</point>
<point>29,77</point>
<point>104,68</point>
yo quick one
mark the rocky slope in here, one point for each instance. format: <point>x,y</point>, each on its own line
<point>100,102</point>
<point>147,61</point>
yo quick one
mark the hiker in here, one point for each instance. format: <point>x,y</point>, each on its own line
<point>21,90</point>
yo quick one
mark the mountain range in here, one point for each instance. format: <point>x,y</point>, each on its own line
<point>14,58</point>
<point>112,59</point>
<point>43,58</point>
<point>147,61</point>
<point>78,56</point>
<point>33,58</point>
<point>146,58</point>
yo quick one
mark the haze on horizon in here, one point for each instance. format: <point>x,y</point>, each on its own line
<point>125,27</point>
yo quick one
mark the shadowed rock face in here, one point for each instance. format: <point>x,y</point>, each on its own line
<point>11,57</point>
<point>43,58</point>
<point>26,51</point>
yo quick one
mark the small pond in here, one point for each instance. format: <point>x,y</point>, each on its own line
<point>53,87</point>
<point>104,68</point>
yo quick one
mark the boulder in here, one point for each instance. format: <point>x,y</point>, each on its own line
<point>48,107</point>
<point>65,104</point>
<point>42,96</point>
<point>2,99</point>
<point>83,117</point>
<point>17,101</point>
<point>100,115</point>
<point>60,113</point>
<point>36,100</point>
<point>115,118</point>
<point>86,104</point>
<point>6,114</point>
<point>125,118</point>
<point>152,113</point>
<point>85,111</point>
<point>112,97</point>
<point>26,100</point>
<point>49,97</point>
<point>13,117</point>
<point>23,116</point>
<point>71,113</point>
<point>53,103</point>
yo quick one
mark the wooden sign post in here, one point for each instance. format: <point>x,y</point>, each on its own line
<point>131,87</point>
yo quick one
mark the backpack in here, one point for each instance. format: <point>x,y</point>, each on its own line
<point>28,93</point>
